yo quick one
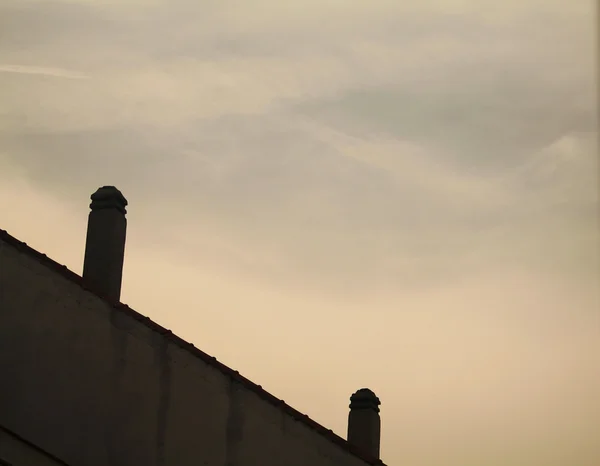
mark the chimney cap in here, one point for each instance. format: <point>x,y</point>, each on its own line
<point>108,197</point>
<point>364,399</point>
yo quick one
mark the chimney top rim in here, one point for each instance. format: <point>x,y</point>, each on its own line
<point>364,399</point>
<point>108,197</point>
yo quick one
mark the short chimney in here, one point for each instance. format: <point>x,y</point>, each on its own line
<point>105,242</point>
<point>364,424</point>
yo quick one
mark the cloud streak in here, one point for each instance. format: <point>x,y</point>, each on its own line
<point>37,70</point>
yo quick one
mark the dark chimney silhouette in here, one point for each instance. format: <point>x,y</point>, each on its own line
<point>364,424</point>
<point>105,242</point>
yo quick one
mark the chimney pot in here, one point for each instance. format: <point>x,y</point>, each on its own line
<point>108,197</point>
<point>105,242</point>
<point>364,424</point>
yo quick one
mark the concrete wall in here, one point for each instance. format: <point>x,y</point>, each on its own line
<point>94,386</point>
<point>15,451</point>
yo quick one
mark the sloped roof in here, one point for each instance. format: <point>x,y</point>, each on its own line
<point>210,360</point>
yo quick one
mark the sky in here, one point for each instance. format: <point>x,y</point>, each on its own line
<point>328,195</point>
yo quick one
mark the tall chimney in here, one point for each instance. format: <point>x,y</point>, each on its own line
<point>364,424</point>
<point>105,242</point>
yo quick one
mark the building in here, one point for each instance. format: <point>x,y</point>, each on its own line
<point>85,380</point>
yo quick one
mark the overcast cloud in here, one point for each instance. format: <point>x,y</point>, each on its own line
<point>410,186</point>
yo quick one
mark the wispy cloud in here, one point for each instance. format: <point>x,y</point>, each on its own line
<point>43,71</point>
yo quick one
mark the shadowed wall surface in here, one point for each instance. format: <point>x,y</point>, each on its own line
<point>16,451</point>
<point>95,383</point>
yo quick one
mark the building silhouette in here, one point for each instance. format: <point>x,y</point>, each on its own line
<point>87,381</point>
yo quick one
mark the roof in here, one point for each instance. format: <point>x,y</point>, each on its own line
<point>210,360</point>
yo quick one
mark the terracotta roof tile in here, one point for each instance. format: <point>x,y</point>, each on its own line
<point>210,360</point>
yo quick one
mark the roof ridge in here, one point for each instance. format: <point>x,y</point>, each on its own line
<point>210,360</point>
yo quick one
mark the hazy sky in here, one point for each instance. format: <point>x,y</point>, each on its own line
<point>327,195</point>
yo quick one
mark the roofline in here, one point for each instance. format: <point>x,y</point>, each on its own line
<point>33,446</point>
<point>210,360</point>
